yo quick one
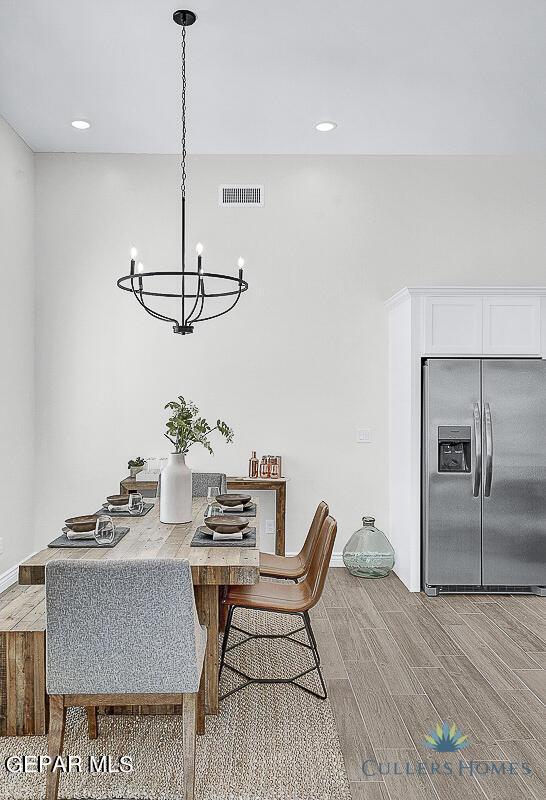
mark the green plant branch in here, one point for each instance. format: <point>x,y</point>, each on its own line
<point>185,427</point>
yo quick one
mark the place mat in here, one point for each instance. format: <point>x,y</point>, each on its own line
<point>250,510</point>
<point>147,507</point>
<point>64,541</point>
<point>201,539</point>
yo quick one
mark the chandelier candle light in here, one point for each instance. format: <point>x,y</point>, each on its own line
<point>195,287</point>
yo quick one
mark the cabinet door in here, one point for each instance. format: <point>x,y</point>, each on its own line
<point>453,325</point>
<point>511,325</point>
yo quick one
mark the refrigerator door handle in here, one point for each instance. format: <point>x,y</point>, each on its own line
<point>488,450</point>
<point>477,467</point>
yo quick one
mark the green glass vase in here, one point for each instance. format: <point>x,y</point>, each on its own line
<point>368,553</point>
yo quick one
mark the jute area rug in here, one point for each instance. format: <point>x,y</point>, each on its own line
<point>268,742</point>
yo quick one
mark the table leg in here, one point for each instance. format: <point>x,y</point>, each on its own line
<point>280,521</point>
<point>206,597</point>
<point>222,609</point>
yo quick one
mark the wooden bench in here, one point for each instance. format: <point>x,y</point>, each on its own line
<point>23,701</point>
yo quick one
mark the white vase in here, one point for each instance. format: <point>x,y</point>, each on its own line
<point>175,497</point>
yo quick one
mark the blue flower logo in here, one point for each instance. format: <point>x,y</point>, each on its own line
<point>446,739</point>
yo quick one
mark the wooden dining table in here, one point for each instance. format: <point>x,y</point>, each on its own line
<point>212,569</point>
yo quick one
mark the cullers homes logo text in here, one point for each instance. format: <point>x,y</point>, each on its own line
<point>445,738</point>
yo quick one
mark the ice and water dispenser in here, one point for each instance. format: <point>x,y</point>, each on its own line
<point>454,448</point>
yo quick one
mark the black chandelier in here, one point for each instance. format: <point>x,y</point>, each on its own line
<point>196,287</point>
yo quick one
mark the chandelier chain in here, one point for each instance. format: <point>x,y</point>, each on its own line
<point>183,111</point>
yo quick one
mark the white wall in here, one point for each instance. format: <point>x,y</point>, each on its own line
<point>307,346</point>
<point>16,347</point>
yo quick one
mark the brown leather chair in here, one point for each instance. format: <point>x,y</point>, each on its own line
<point>283,598</point>
<point>295,567</point>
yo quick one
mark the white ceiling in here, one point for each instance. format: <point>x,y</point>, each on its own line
<point>398,76</point>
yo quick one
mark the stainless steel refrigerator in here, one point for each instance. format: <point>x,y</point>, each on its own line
<point>484,475</point>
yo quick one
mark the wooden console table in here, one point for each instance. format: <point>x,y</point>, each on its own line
<point>148,488</point>
<point>277,485</point>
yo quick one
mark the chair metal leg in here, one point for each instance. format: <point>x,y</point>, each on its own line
<point>311,634</point>
<point>225,639</point>
<point>249,679</point>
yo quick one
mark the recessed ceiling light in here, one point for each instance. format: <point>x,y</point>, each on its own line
<point>325,126</point>
<point>81,124</point>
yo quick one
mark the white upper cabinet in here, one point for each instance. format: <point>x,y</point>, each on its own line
<point>477,323</point>
<point>511,325</point>
<point>453,325</point>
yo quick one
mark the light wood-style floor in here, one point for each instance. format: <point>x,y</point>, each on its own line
<point>397,663</point>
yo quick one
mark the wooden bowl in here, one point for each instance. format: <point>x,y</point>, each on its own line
<point>226,524</point>
<point>81,524</point>
<point>118,499</point>
<point>229,500</point>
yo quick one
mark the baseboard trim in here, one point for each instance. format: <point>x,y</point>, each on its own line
<point>336,559</point>
<point>8,577</point>
<point>11,575</point>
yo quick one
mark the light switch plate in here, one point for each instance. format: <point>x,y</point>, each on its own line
<point>269,526</point>
<point>363,435</point>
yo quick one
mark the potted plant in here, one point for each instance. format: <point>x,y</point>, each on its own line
<point>135,466</point>
<point>185,427</point>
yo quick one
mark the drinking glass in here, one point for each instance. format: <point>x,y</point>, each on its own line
<point>104,530</point>
<point>136,504</point>
<point>212,507</point>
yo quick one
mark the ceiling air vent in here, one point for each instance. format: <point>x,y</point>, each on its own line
<point>240,195</point>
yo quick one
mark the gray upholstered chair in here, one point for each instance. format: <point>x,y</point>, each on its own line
<point>122,633</point>
<point>202,480</point>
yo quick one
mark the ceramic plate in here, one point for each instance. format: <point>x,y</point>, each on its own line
<point>229,500</point>
<point>118,499</point>
<point>226,524</point>
<point>81,524</point>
